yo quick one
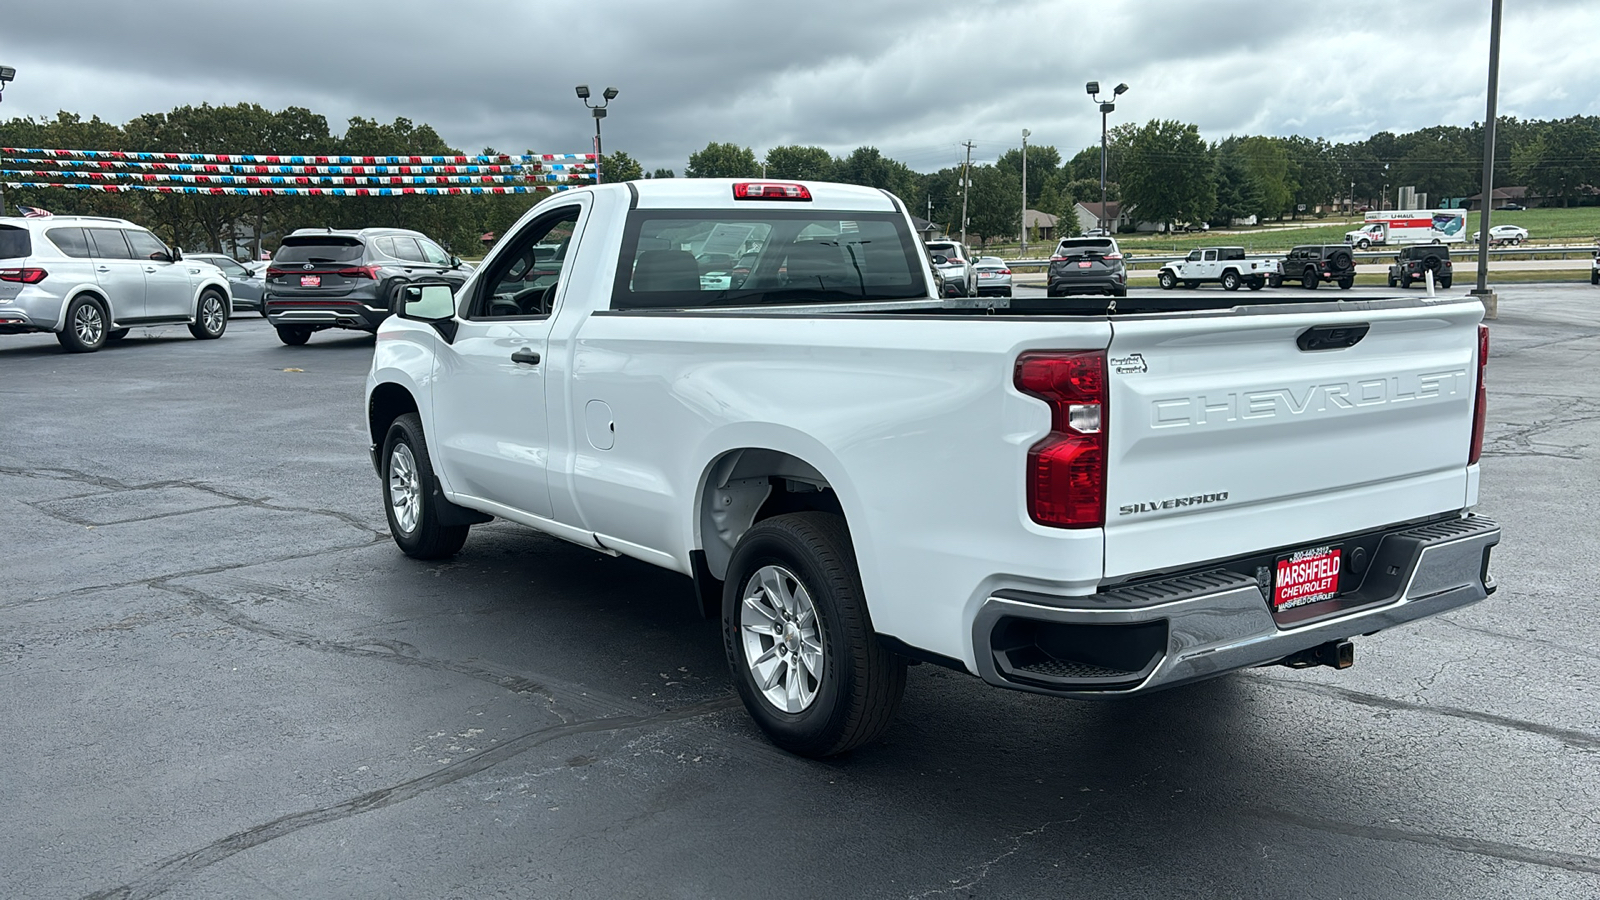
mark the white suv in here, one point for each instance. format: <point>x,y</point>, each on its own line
<point>89,279</point>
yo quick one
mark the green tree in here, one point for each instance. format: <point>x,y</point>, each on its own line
<point>1044,161</point>
<point>1268,165</point>
<point>620,166</point>
<point>1167,173</point>
<point>1563,160</point>
<point>723,161</point>
<point>800,163</point>
<point>662,173</point>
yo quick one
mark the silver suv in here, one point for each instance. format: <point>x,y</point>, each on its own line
<point>960,274</point>
<point>88,280</point>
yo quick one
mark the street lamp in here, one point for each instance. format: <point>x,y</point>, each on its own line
<point>1106,108</point>
<point>1023,253</point>
<point>599,111</point>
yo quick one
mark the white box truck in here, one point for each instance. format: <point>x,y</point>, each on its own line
<point>1411,226</point>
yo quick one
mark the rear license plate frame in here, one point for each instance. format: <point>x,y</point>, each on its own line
<point>1318,576</point>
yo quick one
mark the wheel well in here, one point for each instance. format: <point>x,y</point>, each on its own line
<point>388,402</point>
<point>743,487</point>
<point>105,305</point>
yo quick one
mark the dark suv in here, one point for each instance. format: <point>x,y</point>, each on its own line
<point>1315,263</point>
<point>1414,262</point>
<point>1087,266</point>
<point>326,278</point>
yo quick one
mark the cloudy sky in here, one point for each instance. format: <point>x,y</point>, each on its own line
<point>914,79</point>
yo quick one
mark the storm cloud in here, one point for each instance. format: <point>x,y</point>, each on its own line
<point>913,79</point>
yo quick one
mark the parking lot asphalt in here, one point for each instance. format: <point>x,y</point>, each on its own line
<point>221,679</point>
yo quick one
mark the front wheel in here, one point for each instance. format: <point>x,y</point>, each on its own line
<point>211,317</point>
<point>1310,280</point>
<point>799,641</point>
<point>1594,277</point>
<point>294,335</point>
<point>1168,280</point>
<point>409,492</point>
<point>1363,244</point>
<point>1230,281</point>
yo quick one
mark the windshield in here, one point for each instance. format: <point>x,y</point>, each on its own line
<point>948,251</point>
<point>699,258</point>
<point>319,250</point>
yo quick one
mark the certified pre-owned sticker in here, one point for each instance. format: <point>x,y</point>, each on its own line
<point>1132,364</point>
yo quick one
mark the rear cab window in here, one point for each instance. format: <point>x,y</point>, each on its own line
<point>15,243</point>
<point>108,243</point>
<point>696,258</point>
<point>1085,247</point>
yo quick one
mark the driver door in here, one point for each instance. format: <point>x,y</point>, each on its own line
<point>489,407</point>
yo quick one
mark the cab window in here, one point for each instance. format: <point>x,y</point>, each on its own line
<point>1211,256</point>
<point>109,243</point>
<point>522,279</point>
<point>433,253</point>
<point>1194,256</point>
<point>147,246</point>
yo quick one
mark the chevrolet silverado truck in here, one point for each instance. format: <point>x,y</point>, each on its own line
<point>857,474</point>
<point>1226,265</point>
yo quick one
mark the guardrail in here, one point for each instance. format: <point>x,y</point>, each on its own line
<point>1529,250</point>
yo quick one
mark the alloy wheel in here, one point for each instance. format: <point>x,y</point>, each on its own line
<point>88,324</point>
<point>405,488</point>
<point>211,315</point>
<point>782,638</point>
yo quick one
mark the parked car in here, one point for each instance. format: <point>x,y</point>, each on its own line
<point>1503,234</point>
<point>1087,266</point>
<point>1413,264</point>
<point>1315,263</point>
<point>1513,206</point>
<point>1228,266</point>
<point>959,274</point>
<point>89,280</point>
<point>994,277</point>
<point>1594,269</point>
<point>245,285</point>
<point>1090,506</point>
<point>326,278</point>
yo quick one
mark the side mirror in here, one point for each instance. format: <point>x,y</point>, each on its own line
<point>177,255</point>
<point>455,262</point>
<point>430,303</point>
<point>940,260</point>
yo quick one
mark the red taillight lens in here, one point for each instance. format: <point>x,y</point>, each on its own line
<point>274,272</point>
<point>770,190</point>
<point>25,276</point>
<point>1480,406</point>
<point>1003,272</point>
<point>360,272</point>
<point>1113,256</point>
<point>1057,258</point>
<point>1066,477</point>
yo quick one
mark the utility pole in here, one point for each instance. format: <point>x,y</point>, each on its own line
<point>1023,253</point>
<point>966,182</point>
<point>1491,303</point>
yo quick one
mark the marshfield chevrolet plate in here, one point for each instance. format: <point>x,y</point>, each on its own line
<point>1306,576</point>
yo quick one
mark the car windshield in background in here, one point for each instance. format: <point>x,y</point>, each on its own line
<point>319,250</point>
<point>1090,247</point>
<point>14,243</point>
<point>699,258</point>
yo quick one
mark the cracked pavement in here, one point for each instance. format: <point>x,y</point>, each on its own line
<point>222,680</point>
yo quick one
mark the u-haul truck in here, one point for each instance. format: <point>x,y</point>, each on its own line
<point>1412,226</point>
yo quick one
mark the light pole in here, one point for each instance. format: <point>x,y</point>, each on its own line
<point>1106,108</point>
<point>1023,253</point>
<point>599,111</point>
<point>1491,303</point>
<point>7,73</point>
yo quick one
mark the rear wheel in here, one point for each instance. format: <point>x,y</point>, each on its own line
<point>799,641</point>
<point>1445,282</point>
<point>1191,285</point>
<point>1119,291</point>
<point>409,489</point>
<point>210,318</point>
<point>1168,280</point>
<point>1594,276</point>
<point>86,325</point>
<point>1346,284</point>
<point>1230,281</point>
<point>294,335</point>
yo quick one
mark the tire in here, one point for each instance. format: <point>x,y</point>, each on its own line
<point>1444,283</point>
<point>1257,284</point>
<point>1230,281</point>
<point>1393,282</point>
<point>1405,282</point>
<point>1310,279</point>
<point>1119,292</point>
<point>1167,279</point>
<point>1341,259</point>
<point>86,325</point>
<point>1008,292</point>
<point>1363,244</point>
<point>1346,284</point>
<point>1052,293</point>
<point>116,334</point>
<point>1275,281</point>
<point>1191,285</point>
<point>850,696</point>
<point>210,317</point>
<point>294,335</point>
<point>408,491</point>
<point>1594,276</point>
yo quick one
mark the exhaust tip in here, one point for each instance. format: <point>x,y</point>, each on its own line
<point>1339,654</point>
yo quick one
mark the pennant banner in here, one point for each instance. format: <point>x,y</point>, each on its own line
<point>302,179</point>
<point>235,168</point>
<point>274,159</point>
<point>295,191</point>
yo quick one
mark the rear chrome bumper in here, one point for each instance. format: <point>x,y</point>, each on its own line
<point>1133,640</point>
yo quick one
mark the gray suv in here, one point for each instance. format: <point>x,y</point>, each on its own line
<point>89,280</point>
<point>327,278</point>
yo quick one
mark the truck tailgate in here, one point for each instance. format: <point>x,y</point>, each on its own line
<point>1227,438</point>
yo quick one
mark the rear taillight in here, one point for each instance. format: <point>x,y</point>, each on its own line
<point>1058,259</point>
<point>25,276</point>
<point>1480,406</point>
<point>1113,256</point>
<point>770,190</point>
<point>1066,476</point>
<point>275,272</point>
<point>360,272</point>
<point>1003,272</point>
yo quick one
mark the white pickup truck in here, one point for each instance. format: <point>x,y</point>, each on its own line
<point>857,475</point>
<point>1227,265</point>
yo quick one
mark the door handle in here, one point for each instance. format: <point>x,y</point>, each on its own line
<point>149,268</point>
<point>525,357</point>
<point>102,268</point>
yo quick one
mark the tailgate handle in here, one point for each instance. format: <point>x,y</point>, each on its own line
<point>1332,337</point>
